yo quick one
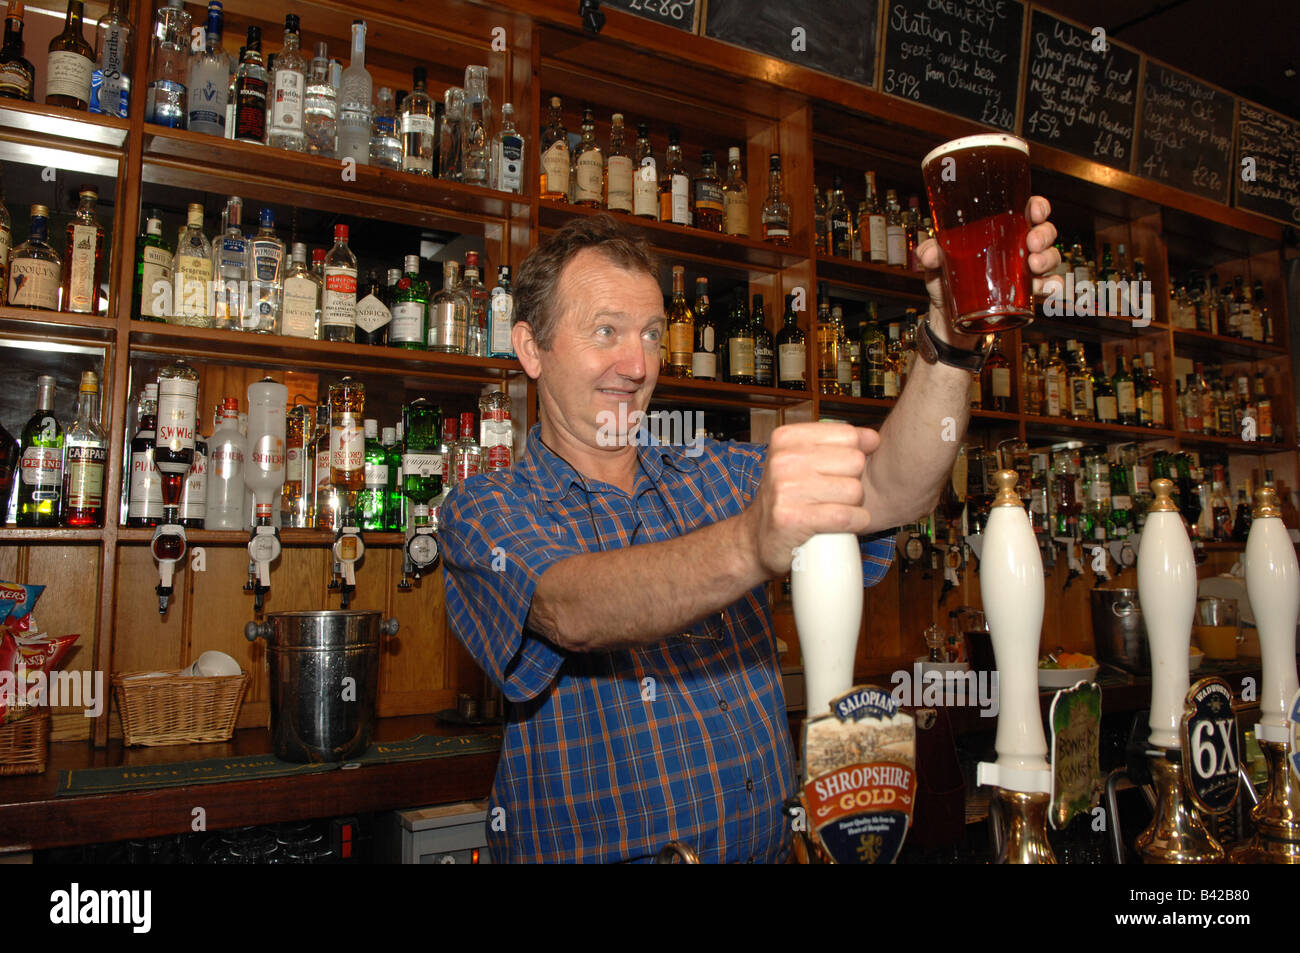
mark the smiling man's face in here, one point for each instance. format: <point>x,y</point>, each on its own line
<point>604,353</point>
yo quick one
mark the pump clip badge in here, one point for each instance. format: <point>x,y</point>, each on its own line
<point>1209,741</point>
<point>860,765</point>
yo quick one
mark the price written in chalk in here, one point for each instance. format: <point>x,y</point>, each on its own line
<point>660,8</point>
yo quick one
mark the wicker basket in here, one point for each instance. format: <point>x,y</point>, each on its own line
<point>24,743</point>
<point>178,709</point>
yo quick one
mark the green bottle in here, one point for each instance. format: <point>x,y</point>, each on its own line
<point>410,307</point>
<point>40,461</point>
<point>372,499</point>
<point>392,494</point>
<point>423,465</point>
<point>153,264</point>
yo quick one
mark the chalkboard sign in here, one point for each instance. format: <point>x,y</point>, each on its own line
<point>834,36</point>
<point>1270,185</point>
<point>958,56</point>
<point>683,14</point>
<point>1077,97</point>
<point>1185,133</point>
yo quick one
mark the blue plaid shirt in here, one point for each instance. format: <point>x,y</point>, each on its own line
<point>608,755</point>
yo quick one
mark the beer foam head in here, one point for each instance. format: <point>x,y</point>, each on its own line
<point>983,141</point>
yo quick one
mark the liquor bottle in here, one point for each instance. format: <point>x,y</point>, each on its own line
<point>339,300</point>
<point>448,324</point>
<point>1031,381</point>
<point>708,195</point>
<point>844,366</point>
<point>681,329</point>
<point>791,350</point>
<point>449,161</point>
<point>875,241</point>
<point>266,278</point>
<point>735,197</point>
<point>764,369</point>
<point>1157,391</point>
<point>496,438</point>
<point>325,509</point>
<point>1080,383</point>
<point>618,175</point>
<point>893,362</point>
<point>371,500</point>
<point>1141,391</point>
<point>467,455</point>
<point>1263,314</point>
<point>1220,506</point>
<point>839,222</point>
<point>320,106</point>
<point>355,95</point>
<point>424,465</point>
<point>208,82</point>
<point>84,254</point>
<point>418,128</point>
<point>295,502</point>
<point>740,344</point>
<point>385,144</point>
<point>645,190</point>
<point>110,83</point>
<point>872,356</point>
<point>6,243</point>
<point>192,512</point>
<point>301,298</point>
<point>144,495</point>
<point>85,459</point>
<point>476,130</point>
<point>704,354</point>
<point>389,514</point>
<point>912,226</point>
<point>501,317</point>
<point>1055,383</point>
<point>153,272</point>
<point>71,63</point>
<point>828,347</point>
<point>35,267</point>
<point>476,325</point>
<point>169,67</point>
<point>776,210</point>
<point>289,85</point>
<point>997,380</point>
<point>674,184</point>
<point>251,91</point>
<point>1125,394</point>
<point>230,94</point>
<point>227,453</point>
<point>508,154</point>
<point>373,316</point>
<point>1107,405</point>
<point>178,395</point>
<point>230,269</point>
<point>410,308</point>
<point>1264,408</point>
<point>347,445</point>
<point>1243,518</point>
<point>895,238</point>
<point>40,461</point>
<point>17,75</point>
<point>555,155</point>
<point>821,231</point>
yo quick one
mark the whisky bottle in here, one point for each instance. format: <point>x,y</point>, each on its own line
<point>821,232</point>
<point>997,379</point>
<point>763,371</point>
<point>85,256</point>
<point>1031,381</point>
<point>828,346</point>
<point>40,482</point>
<point>704,357</point>
<point>873,361</point>
<point>1125,393</point>
<point>1104,395</point>
<point>71,63</point>
<point>735,197</point>
<point>347,403</point>
<point>1141,391</point>
<point>1055,384</point>
<point>791,351</point>
<point>674,185</point>
<point>875,242</point>
<point>895,237</point>
<point>776,209</point>
<point>740,344</point>
<point>839,222</point>
<point>1157,391</point>
<point>589,165</point>
<point>645,191</point>
<point>844,362</point>
<point>619,177</point>
<point>681,329</point>
<point>555,155</point>
<point>17,75</point>
<point>708,195</point>
<point>35,267</point>
<point>153,272</point>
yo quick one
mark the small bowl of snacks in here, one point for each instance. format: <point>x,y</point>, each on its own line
<point>1194,659</point>
<point>1064,669</point>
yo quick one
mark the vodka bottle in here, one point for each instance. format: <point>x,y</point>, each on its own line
<point>169,66</point>
<point>385,146</point>
<point>476,127</point>
<point>354,102</point>
<point>209,80</point>
<point>266,278</point>
<point>501,315</point>
<point>508,154</point>
<point>110,85</point>
<point>320,111</point>
<point>285,110</point>
<point>449,138</point>
<point>251,92</point>
<point>230,269</point>
<point>227,452</point>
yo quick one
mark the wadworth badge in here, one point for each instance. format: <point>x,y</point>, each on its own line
<point>1075,718</point>
<point>1210,754</point>
<point>1293,725</point>
<point>860,765</point>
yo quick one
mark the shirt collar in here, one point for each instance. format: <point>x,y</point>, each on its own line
<point>553,475</point>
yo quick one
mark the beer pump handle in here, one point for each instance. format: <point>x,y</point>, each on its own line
<point>1273,587</point>
<point>826,592</point>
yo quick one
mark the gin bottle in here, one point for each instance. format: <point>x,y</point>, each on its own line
<point>300,303</point>
<point>508,154</point>
<point>410,307</point>
<point>449,314</point>
<point>418,128</point>
<point>355,94</point>
<point>339,302</point>
<point>153,272</point>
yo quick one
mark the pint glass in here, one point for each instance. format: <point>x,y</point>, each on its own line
<point>979,198</point>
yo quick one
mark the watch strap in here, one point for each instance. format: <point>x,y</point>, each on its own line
<point>932,350</point>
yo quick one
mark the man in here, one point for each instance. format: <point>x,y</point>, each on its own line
<point>615,591</point>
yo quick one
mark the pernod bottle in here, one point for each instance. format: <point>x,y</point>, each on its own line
<point>40,481</point>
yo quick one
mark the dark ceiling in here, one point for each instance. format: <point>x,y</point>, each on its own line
<point>1245,46</point>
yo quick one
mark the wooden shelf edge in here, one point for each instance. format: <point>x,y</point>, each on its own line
<point>34,534</point>
<point>63,324</point>
<point>52,125</point>
<point>236,537</point>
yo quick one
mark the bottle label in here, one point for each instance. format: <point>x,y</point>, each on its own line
<point>618,172</point>
<point>555,165</point>
<point>42,467</point>
<point>1107,409</point>
<point>16,81</point>
<point>645,192</point>
<point>468,464</point>
<point>708,196</point>
<point>323,471</point>
<point>293,461</point>
<point>681,200</point>
<point>145,499</point>
<point>1157,409</point>
<point>268,454</point>
<point>155,281</point>
<point>501,323</point>
<point>447,326</point>
<point>339,307</point>
<point>510,163</point>
<point>286,114</point>
<point>4,243</point>
<point>1121,503</point>
<point>590,171</point>
<point>196,281</point>
<point>86,475</point>
<point>1001,381</point>
<point>681,339</point>
<point>68,74</point>
<point>34,283</point>
<point>844,372</point>
<point>740,357</point>
<point>408,323</point>
<point>81,268</point>
<point>1052,395</point>
<point>194,492</point>
<point>422,464</point>
<point>878,237</point>
<point>417,124</point>
<point>376,476</point>
<point>208,91</point>
<point>347,444</point>
<point>704,365</point>
<point>791,362</point>
<point>1124,398</point>
<point>896,245</point>
<point>735,210</point>
<point>372,314</point>
<point>250,109</point>
<point>177,399</point>
<point>299,303</point>
<point>890,385</point>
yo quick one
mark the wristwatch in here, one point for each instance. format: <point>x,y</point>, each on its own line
<point>932,350</point>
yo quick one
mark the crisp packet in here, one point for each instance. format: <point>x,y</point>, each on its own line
<point>43,653</point>
<point>16,603</point>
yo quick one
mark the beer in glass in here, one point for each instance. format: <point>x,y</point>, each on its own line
<point>979,198</point>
